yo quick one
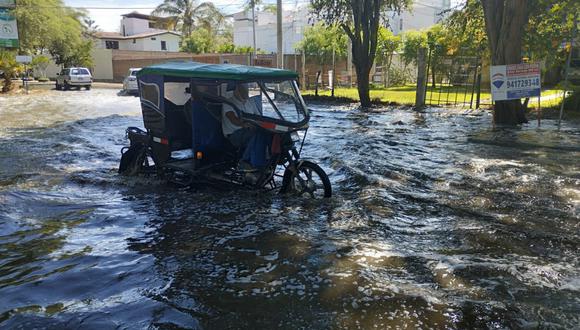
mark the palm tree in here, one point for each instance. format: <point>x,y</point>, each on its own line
<point>189,13</point>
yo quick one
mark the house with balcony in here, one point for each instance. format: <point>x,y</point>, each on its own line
<point>139,32</point>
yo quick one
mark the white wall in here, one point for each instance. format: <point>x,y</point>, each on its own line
<point>421,16</point>
<point>171,41</point>
<point>293,27</point>
<point>135,26</point>
<point>146,44</point>
<point>102,65</point>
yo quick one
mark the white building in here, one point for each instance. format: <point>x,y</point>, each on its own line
<point>138,32</point>
<point>423,15</point>
<point>293,25</point>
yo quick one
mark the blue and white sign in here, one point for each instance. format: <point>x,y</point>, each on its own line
<point>8,29</point>
<point>515,81</point>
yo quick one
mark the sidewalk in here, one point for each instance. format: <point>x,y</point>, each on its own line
<point>45,84</point>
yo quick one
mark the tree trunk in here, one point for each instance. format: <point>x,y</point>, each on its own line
<point>316,83</point>
<point>505,21</point>
<point>362,76</point>
<point>7,82</point>
<point>433,85</point>
<point>366,15</point>
<point>384,74</point>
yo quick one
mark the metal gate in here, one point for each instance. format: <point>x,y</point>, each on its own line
<point>453,80</point>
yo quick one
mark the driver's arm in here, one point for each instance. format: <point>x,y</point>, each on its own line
<point>231,115</point>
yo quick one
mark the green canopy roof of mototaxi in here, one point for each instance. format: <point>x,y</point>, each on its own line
<point>216,71</point>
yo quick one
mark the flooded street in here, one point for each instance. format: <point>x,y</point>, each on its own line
<point>437,221</point>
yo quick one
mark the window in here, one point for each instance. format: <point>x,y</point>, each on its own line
<point>80,71</point>
<point>151,25</point>
<point>153,38</point>
<point>163,45</point>
<point>281,101</point>
<point>111,44</point>
<point>134,41</point>
<point>401,25</point>
<point>150,94</point>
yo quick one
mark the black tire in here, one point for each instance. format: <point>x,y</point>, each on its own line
<point>132,160</point>
<point>88,87</point>
<point>57,87</point>
<point>305,182</point>
<point>66,86</point>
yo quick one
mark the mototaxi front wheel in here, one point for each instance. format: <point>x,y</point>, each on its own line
<point>307,179</point>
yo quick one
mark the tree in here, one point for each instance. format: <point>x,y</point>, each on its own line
<point>438,42</point>
<point>40,64</point>
<point>539,27</point>
<point>360,20</point>
<point>505,22</point>
<point>89,27</point>
<point>9,67</point>
<point>38,21</point>
<point>466,30</point>
<point>270,8</point>
<point>323,42</point>
<point>412,42</point>
<point>188,13</point>
<point>550,23</point>
<point>198,42</point>
<point>50,26</point>
<point>387,45</point>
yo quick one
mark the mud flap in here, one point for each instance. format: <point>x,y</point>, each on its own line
<point>132,159</point>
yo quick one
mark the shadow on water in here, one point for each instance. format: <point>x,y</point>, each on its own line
<point>437,221</point>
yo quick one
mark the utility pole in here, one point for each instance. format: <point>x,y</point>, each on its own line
<point>254,52</point>
<point>280,59</point>
<point>572,41</point>
<point>349,60</point>
<point>333,70</point>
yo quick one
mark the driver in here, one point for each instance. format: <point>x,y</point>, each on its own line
<point>236,130</point>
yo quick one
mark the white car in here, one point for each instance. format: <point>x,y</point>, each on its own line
<point>130,85</point>
<point>74,77</point>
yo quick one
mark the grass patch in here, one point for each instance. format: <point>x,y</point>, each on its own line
<point>405,95</point>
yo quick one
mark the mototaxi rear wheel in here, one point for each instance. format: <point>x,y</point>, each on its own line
<point>133,160</point>
<point>307,179</point>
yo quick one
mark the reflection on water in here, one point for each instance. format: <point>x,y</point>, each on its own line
<point>437,221</point>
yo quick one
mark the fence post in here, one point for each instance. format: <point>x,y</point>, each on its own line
<point>421,78</point>
<point>303,70</point>
<point>478,99</point>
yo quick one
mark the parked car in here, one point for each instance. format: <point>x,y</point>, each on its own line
<point>74,77</point>
<point>130,85</point>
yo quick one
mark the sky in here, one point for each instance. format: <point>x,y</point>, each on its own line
<point>108,17</point>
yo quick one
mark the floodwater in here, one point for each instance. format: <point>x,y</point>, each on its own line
<point>437,221</point>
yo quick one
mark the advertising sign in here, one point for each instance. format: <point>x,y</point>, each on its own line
<point>515,81</point>
<point>23,59</point>
<point>8,29</point>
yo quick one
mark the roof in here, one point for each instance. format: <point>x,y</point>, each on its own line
<point>135,14</point>
<point>116,35</point>
<point>138,15</point>
<point>216,71</point>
